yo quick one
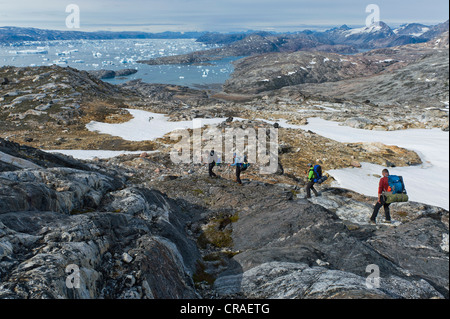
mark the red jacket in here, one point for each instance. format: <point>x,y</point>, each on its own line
<point>384,185</point>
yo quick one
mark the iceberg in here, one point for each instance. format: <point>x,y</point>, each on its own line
<point>36,51</point>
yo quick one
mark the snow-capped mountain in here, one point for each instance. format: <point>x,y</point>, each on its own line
<point>381,35</point>
<point>412,29</point>
<point>375,30</point>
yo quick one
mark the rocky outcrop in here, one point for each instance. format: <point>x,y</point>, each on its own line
<point>123,242</point>
<point>109,74</point>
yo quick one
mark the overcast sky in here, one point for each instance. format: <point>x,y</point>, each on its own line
<point>216,15</point>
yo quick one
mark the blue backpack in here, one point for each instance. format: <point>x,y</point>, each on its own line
<point>396,184</point>
<point>243,163</point>
<point>317,173</point>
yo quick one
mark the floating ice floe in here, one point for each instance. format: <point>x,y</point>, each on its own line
<point>60,62</point>
<point>126,60</point>
<point>36,51</point>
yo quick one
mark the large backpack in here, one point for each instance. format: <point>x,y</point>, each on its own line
<point>245,164</point>
<point>317,173</point>
<point>318,177</point>
<point>397,185</point>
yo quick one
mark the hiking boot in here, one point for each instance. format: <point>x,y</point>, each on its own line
<point>373,222</point>
<point>388,222</point>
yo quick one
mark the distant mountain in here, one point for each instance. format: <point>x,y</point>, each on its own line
<point>370,37</point>
<point>374,31</point>
<point>412,29</point>
<point>375,36</point>
<point>436,30</point>
<point>17,34</point>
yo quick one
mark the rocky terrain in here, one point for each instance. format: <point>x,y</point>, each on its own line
<point>48,107</point>
<point>140,226</point>
<point>135,229</point>
<point>408,65</point>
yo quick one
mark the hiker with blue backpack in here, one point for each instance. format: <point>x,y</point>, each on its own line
<point>390,189</point>
<point>314,176</point>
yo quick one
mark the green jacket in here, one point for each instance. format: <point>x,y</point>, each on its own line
<point>311,174</point>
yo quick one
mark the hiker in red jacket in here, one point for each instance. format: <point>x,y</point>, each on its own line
<point>382,187</point>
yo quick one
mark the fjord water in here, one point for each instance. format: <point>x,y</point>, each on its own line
<point>121,54</point>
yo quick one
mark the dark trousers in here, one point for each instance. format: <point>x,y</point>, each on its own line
<point>210,169</point>
<point>238,174</point>
<point>377,207</point>
<point>309,187</point>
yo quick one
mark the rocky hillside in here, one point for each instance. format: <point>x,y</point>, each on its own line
<point>133,230</point>
<point>415,74</point>
<point>48,107</point>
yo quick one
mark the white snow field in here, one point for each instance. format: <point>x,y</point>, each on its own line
<point>145,126</point>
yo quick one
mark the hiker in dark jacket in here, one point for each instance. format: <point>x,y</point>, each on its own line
<point>382,187</point>
<point>212,159</point>
<point>238,162</point>
<point>310,184</point>
<point>238,168</point>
